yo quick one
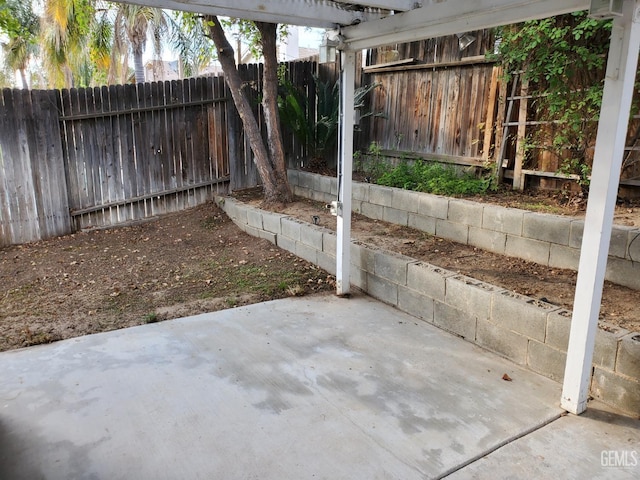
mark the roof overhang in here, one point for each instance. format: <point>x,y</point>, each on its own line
<point>371,23</point>
<point>312,13</point>
<point>450,17</point>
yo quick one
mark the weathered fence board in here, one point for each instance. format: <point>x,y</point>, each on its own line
<point>439,103</point>
<point>31,170</point>
<point>103,156</point>
<point>135,151</point>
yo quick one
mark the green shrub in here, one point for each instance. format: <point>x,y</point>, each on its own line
<point>434,178</point>
<point>372,163</point>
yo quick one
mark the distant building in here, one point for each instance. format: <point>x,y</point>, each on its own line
<point>161,70</point>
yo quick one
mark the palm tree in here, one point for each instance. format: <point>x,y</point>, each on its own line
<point>21,26</point>
<point>189,39</point>
<point>132,26</point>
<point>66,34</point>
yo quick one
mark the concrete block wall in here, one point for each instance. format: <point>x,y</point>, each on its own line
<point>550,240</point>
<point>529,332</point>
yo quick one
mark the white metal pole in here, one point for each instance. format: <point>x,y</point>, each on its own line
<point>610,141</point>
<point>345,159</point>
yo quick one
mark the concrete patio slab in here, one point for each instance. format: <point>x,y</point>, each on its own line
<point>598,444</point>
<point>312,387</point>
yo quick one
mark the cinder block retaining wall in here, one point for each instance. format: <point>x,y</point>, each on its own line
<point>529,332</point>
<point>550,240</point>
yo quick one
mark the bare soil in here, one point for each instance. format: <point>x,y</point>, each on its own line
<point>198,261</point>
<point>180,264</point>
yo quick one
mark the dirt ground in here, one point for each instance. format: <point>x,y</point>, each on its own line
<point>181,264</point>
<point>197,261</point>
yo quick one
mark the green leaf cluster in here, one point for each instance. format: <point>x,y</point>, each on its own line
<point>319,133</point>
<point>563,58</point>
<point>21,26</point>
<point>432,177</point>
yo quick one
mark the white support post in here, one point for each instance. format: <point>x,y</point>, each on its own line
<point>612,130</point>
<point>345,159</point>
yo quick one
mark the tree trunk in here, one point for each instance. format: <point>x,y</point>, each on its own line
<point>275,183</point>
<point>268,34</point>
<point>138,65</point>
<point>23,77</point>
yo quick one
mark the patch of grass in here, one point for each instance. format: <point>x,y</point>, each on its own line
<point>31,338</point>
<point>23,291</point>
<point>434,178</point>
<point>151,317</point>
<point>541,207</point>
<point>211,222</point>
<point>296,290</point>
<point>276,280</point>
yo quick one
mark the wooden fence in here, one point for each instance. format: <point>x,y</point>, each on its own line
<point>136,151</point>
<point>440,103</point>
<point>301,75</point>
<point>84,158</point>
<point>97,157</point>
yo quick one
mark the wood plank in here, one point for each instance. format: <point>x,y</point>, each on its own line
<point>149,196</point>
<point>206,91</point>
<point>490,126</point>
<point>11,171</point>
<point>57,179</point>
<point>35,156</point>
<point>111,162</point>
<point>191,116</point>
<point>465,108</point>
<point>479,113</point>
<point>44,191</point>
<point>29,228</point>
<point>126,129</point>
<point>145,167</point>
<point>85,177</point>
<point>211,132</point>
<point>501,141</point>
<point>169,138</point>
<point>179,134</point>
<point>222,132</point>
<point>480,59</point>
<point>163,154</point>
<point>518,184</point>
<point>5,217</point>
<point>68,151</point>
<point>156,180</point>
<point>141,110</point>
<point>458,160</point>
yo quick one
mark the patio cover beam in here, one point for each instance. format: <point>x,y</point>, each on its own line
<point>452,16</point>
<point>311,13</point>
<point>395,5</point>
<point>610,141</point>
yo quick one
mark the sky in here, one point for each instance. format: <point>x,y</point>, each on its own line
<point>310,37</point>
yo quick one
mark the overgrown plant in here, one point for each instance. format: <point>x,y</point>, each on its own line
<point>319,134</point>
<point>563,59</point>
<point>432,177</point>
<point>372,163</point>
